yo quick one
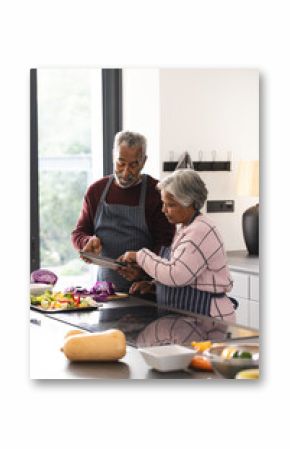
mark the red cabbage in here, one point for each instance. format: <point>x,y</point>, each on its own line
<point>103,287</point>
<point>43,277</point>
<point>77,290</point>
<point>99,292</point>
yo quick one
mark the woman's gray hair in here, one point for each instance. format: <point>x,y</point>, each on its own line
<point>186,186</point>
<point>132,139</point>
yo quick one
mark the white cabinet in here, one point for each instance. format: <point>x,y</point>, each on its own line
<point>243,311</point>
<point>245,274</point>
<point>254,287</point>
<point>254,314</point>
<point>240,292</point>
<point>241,287</point>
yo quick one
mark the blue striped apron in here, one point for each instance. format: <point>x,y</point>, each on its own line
<point>185,298</point>
<point>121,228</point>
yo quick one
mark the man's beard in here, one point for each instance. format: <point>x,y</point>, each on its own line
<point>130,181</point>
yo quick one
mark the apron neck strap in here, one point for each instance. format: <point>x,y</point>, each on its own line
<point>106,189</point>
<point>143,190</point>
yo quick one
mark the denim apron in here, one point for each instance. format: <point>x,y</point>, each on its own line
<point>121,228</point>
<point>186,298</point>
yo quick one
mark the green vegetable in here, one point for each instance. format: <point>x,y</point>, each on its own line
<point>242,355</point>
<point>35,300</point>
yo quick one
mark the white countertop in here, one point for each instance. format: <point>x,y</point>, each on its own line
<point>241,261</point>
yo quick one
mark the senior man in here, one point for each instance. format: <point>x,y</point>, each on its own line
<point>123,211</point>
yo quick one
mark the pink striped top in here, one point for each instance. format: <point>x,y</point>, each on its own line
<point>197,259</point>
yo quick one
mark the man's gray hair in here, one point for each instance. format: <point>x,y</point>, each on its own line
<point>186,186</point>
<point>132,139</point>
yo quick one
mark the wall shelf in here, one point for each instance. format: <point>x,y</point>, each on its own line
<point>201,166</point>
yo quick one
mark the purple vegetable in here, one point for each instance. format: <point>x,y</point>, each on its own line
<point>100,297</point>
<point>99,292</point>
<point>102,288</point>
<point>43,277</point>
<point>77,290</point>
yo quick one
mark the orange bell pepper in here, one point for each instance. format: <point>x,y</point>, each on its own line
<point>200,362</point>
<point>201,345</point>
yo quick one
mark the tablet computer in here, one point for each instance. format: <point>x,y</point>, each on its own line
<point>102,261</point>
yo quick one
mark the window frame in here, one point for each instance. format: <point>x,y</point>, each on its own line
<point>112,113</point>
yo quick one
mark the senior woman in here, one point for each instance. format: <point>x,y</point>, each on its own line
<point>192,274</point>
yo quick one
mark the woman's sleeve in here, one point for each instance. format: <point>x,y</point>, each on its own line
<point>188,260</point>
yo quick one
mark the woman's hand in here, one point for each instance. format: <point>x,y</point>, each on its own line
<point>131,273</point>
<point>129,256</point>
<point>143,287</point>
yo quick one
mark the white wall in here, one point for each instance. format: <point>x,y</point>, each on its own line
<point>212,110</point>
<point>198,110</point>
<point>141,104</point>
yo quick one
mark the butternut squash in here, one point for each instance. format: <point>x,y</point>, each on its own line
<point>103,346</point>
<point>74,332</point>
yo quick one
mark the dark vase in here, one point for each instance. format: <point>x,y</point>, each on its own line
<point>251,230</point>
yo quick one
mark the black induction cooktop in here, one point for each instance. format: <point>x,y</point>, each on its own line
<point>150,325</point>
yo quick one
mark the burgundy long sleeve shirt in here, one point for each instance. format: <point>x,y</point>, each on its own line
<point>160,229</point>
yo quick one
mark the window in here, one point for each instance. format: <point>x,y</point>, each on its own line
<point>71,146</point>
<point>69,137</point>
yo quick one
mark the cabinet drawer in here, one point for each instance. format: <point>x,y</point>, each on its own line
<point>254,314</point>
<point>241,285</point>
<point>243,311</point>
<point>254,287</point>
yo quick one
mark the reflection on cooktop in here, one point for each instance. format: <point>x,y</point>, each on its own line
<point>180,330</point>
<point>151,325</point>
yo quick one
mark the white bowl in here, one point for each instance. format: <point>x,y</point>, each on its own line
<point>168,358</point>
<point>39,289</point>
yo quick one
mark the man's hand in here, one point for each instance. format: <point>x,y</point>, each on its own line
<point>92,246</point>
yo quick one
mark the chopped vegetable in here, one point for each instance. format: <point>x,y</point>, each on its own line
<point>35,300</point>
<point>242,355</point>
<point>228,352</point>
<point>103,287</point>
<point>44,304</point>
<point>248,374</point>
<point>58,300</point>
<point>201,346</point>
<point>201,363</point>
<point>232,352</point>
<point>99,292</point>
<point>77,290</point>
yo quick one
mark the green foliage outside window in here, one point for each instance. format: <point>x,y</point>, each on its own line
<point>64,131</point>
<point>61,197</point>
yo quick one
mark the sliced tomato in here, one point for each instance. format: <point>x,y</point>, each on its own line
<point>77,300</point>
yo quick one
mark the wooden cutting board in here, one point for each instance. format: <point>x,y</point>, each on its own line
<point>117,296</point>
